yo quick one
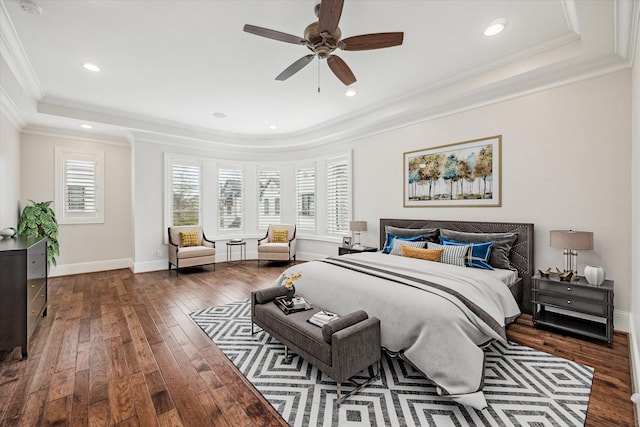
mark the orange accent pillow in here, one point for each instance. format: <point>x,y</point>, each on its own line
<point>188,238</point>
<point>280,235</point>
<point>426,254</point>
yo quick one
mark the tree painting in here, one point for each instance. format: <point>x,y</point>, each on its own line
<point>463,172</point>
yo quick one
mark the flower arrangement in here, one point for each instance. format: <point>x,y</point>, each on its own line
<point>290,279</point>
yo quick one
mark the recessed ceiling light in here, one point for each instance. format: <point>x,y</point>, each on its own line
<point>273,127</point>
<point>495,27</point>
<point>219,115</point>
<point>90,67</point>
<point>86,126</point>
<point>351,91</point>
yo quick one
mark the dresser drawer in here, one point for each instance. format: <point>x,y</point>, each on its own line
<point>33,287</point>
<point>36,258</point>
<point>570,290</point>
<point>581,305</point>
<point>35,307</point>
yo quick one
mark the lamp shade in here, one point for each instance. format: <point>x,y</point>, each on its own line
<point>357,225</point>
<point>570,239</point>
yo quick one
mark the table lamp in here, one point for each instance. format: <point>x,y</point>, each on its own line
<point>571,241</point>
<point>356,227</point>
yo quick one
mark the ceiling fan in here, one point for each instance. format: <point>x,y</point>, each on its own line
<point>323,37</point>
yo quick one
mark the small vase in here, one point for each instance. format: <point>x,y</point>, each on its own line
<point>594,275</point>
<point>290,293</point>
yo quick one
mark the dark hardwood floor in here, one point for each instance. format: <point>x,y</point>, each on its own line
<point>120,349</point>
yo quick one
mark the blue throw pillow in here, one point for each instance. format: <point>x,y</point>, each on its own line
<point>388,244</point>
<point>478,255</point>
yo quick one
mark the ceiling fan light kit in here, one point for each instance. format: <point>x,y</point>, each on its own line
<point>324,37</point>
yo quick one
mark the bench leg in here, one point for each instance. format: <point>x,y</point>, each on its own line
<point>287,357</point>
<point>341,398</point>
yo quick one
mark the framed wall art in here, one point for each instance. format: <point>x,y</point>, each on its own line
<point>461,174</point>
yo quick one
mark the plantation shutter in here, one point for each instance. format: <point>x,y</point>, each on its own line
<point>229,199</point>
<point>338,196</point>
<point>80,186</point>
<point>306,198</point>
<point>185,194</point>
<point>269,195</point>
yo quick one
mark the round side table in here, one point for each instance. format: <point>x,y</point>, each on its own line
<point>243,251</point>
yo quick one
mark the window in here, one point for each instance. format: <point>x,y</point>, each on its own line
<point>185,193</point>
<point>338,195</point>
<point>79,187</point>
<point>269,195</point>
<point>229,199</point>
<point>306,198</point>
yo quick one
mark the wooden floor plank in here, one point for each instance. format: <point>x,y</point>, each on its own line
<point>120,349</point>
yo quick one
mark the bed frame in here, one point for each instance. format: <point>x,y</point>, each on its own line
<point>520,258</point>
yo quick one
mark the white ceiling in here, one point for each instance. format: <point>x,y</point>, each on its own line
<point>167,66</point>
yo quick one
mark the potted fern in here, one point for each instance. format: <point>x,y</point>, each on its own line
<point>38,219</point>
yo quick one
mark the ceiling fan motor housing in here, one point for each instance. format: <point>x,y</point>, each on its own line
<point>321,44</point>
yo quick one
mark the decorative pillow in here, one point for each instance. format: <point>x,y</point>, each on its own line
<point>430,234</point>
<point>502,243</point>
<point>426,254</point>
<point>454,255</point>
<point>279,235</point>
<point>189,238</point>
<point>398,243</point>
<point>388,245</point>
<point>478,255</point>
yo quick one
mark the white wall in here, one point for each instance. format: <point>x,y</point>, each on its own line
<point>83,247</point>
<point>9,174</point>
<point>565,164</point>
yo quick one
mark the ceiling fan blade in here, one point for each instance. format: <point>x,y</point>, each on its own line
<point>371,41</point>
<point>329,15</point>
<point>341,70</point>
<point>295,67</point>
<point>273,34</point>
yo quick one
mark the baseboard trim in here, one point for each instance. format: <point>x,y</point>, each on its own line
<point>621,321</point>
<point>90,267</point>
<point>147,266</point>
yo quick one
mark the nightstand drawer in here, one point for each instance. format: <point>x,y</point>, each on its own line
<point>574,304</point>
<point>570,290</point>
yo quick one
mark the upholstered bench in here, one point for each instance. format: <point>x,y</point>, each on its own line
<point>340,349</point>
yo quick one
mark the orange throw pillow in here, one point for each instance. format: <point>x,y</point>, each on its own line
<point>426,254</point>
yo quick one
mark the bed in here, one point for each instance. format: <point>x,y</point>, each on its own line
<point>434,315</point>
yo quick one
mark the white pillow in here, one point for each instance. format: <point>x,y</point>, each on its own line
<point>396,249</point>
<point>454,255</point>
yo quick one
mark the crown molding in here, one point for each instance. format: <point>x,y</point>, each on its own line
<point>627,15</point>
<point>76,136</point>
<point>13,53</point>
<point>11,111</point>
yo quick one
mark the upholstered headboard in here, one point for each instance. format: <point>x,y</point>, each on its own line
<point>520,257</point>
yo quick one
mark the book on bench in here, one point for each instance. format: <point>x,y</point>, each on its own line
<point>322,317</point>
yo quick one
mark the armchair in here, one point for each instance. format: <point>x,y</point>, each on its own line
<point>277,245</point>
<point>189,250</point>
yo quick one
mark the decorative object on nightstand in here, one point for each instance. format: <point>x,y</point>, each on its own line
<point>594,275</point>
<point>356,227</point>
<point>565,275</point>
<point>545,273</point>
<point>575,306</point>
<point>346,241</point>
<point>571,241</point>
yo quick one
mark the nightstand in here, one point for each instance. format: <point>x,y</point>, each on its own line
<point>350,250</point>
<point>562,305</point>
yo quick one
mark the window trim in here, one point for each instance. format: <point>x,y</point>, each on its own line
<point>277,209</point>
<point>62,215</point>
<point>336,159</point>
<point>169,160</point>
<point>243,197</point>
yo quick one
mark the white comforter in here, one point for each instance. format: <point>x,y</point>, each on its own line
<point>439,333</point>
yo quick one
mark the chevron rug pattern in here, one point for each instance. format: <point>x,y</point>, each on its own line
<point>523,386</point>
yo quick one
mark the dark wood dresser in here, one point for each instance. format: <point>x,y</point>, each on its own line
<point>23,289</point>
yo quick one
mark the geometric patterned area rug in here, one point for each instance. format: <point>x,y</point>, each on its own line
<point>523,386</point>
